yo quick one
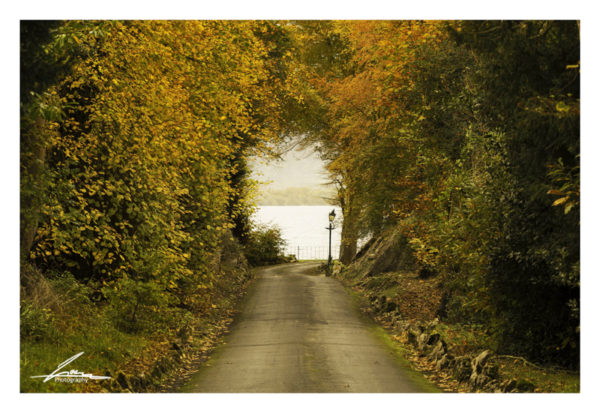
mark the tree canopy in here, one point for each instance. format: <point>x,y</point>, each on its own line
<point>463,136</point>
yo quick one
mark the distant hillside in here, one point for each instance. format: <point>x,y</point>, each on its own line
<point>296,196</point>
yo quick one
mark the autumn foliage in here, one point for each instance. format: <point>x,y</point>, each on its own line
<point>133,151</point>
<point>464,137</point>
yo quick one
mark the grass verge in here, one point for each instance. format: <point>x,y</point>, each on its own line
<point>59,322</point>
<point>398,352</point>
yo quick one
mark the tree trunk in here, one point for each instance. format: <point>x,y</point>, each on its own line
<point>349,229</point>
<point>32,187</point>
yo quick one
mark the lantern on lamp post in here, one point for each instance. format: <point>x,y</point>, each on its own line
<point>330,229</point>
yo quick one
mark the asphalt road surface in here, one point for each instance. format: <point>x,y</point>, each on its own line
<point>299,332</point>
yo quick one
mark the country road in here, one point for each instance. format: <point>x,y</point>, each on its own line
<point>299,332</point>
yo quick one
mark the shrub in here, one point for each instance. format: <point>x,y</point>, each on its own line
<point>137,306</point>
<point>70,291</point>
<point>37,324</point>
<point>265,246</point>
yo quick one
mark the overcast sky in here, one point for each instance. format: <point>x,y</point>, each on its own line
<point>297,168</point>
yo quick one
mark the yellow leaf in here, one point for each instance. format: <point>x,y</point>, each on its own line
<point>560,201</point>
<point>562,107</point>
<point>568,207</point>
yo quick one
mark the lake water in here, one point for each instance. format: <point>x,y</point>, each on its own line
<point>303,228</point>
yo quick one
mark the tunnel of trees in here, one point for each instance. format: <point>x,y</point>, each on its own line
<point>461,135</point>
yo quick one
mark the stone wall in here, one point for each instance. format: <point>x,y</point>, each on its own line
<point>478,371</point>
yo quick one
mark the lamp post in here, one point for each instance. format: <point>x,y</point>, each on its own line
<point>330,228</point>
